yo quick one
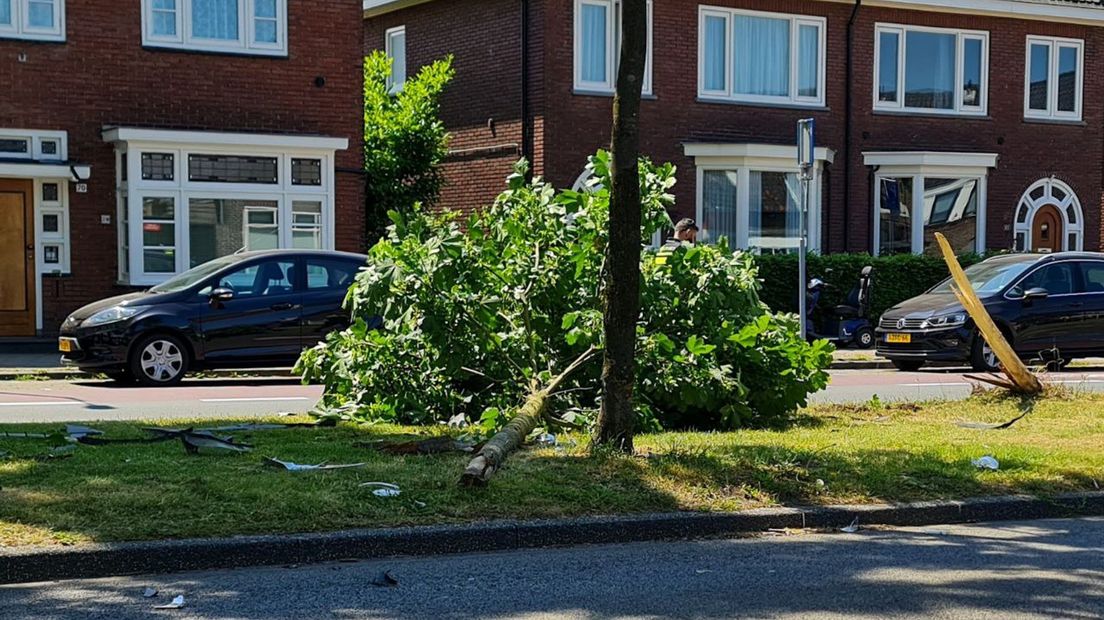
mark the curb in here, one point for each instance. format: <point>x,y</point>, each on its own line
<point>35,564</point>
<point>32,374</point>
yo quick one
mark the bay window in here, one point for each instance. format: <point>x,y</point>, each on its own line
<point>190,197</point>
<point>36,20</point>
<point>751,195</point>
<point>917,194</point>
<point>931,70</point>
<point>756,57</point>
<point>234,26</point>
<point>598,46</point>
<point>1054,81</point>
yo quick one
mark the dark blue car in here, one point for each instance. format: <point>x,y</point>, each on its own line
<point>1049,306</point>
<point>254,309</point>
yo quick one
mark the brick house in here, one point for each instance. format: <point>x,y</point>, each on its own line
<point>975,118</point>
<point>140,138</point>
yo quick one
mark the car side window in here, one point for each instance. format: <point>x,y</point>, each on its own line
<point>264,279</point>
<point>1092,273</point>
<point>1057,279</point>
<point>328,274</point>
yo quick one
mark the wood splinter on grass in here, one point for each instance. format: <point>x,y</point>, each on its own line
<point>1020,379</point>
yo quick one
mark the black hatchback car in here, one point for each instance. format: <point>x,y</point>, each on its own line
<point>1049,306</point>
<point>254,309</point>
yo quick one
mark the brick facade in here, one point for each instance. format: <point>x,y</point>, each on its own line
<point>101,75</point>
<point>568,126</point>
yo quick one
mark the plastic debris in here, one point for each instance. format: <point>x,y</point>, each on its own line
<point>851,529</point>
<point>149,593</point>
<point>545,439</point>
<point>383,489</point>
<point>986,462</point>
<point>289,466</point>
<point>76,431</point>
<point>385,580</point>
<point>176,603</point>
<point>418,504</point>
<point>193,440</point>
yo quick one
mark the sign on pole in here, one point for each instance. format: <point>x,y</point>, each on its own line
<point>806,150</point>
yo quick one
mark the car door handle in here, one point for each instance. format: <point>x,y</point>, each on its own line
<point>284,306</point>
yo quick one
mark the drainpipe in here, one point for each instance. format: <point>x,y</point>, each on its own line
<point>847,127</point>
<point>526,143</point>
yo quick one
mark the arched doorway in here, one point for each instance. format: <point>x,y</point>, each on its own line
<point>1048,218</point>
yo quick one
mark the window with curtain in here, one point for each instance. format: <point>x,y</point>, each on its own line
<point>719,206</point>
<point>243,26</point>
<point>1053,87</point>
<point>774,212</point>
<point>39,20</point>
<point>747,56</point>
<point>931,69</point>
<point>395,48</point>
<point>598,45</point>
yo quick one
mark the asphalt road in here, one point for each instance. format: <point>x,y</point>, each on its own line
<point>1039,569</point>
<point>71,401</point>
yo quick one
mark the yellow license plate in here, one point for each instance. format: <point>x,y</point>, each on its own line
<point>899,338</point>
<point>65,345</point>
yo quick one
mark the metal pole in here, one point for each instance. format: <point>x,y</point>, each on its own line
<point>801,243</point>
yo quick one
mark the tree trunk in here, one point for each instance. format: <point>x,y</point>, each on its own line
<point>622,290</point>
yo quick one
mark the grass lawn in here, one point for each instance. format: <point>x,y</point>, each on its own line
<point>861,454</point>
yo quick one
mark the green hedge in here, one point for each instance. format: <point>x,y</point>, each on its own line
<point>896,278</point>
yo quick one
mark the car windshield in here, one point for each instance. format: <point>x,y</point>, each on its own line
<point>194,275</point>
<point>989,276</point>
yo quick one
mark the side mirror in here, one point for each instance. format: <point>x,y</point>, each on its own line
<point>221,294</point>
<point>1032,294</point>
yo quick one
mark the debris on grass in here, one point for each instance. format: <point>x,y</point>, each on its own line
<point>149,593</point>
<point>986,462</point>
<point>545,439</point>
<point>385,580</point>
<point>289,466</point>
<point>193,440</point>
<point>430,445</point>
<point>383,489</point>
<point>177,603</point>
<point>851,529</point>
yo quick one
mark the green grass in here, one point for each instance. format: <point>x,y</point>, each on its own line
<point>862,454</point>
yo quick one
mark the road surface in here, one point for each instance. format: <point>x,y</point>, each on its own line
<point>1040,569</point>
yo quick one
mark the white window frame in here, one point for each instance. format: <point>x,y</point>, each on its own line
<point>389,49</point>
<point>245,44</point>
<point>960,37</point>
<point>1069,205</point>
<point>20,28</point>
<point>728,94</point>
<point>182,144</point>
<point>743,159</point>
<point>1053,44</point>
<point>613,49</point>
<point>35,138</point>
<point>247,226</point>
<point>920,165</point>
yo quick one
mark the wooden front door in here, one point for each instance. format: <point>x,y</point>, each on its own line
<point>1046,230</point>
<point>17,259</point>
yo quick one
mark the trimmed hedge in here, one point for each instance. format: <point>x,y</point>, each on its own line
<point>896,278</point>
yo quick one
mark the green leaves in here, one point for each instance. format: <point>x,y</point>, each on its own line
<point>697,346</point>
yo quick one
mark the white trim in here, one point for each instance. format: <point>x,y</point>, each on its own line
<point>961,36</point>
<point>389,49</point>
<point>237,140</point>
<point>35,138</point>
<point>245,43</point>
<point>1054,44</point>
<point>760,151</point>
<point>1067,205</point>
<point>918,159</point>
<point>1019,9</point>
<point>44,171</point>
<point>20,27</point>
<point>728,93</point>
<point>613,48</point>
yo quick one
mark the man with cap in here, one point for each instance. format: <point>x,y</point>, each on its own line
<point>686,233</point>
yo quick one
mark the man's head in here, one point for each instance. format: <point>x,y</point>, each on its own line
<point>686,230</point>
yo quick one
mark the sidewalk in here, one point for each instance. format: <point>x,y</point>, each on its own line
<point>868,359</point>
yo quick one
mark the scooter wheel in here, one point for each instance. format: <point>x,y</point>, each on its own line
<point>864,338</point>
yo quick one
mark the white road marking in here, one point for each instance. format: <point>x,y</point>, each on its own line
<point>47,403</point>
<point>251,400</point>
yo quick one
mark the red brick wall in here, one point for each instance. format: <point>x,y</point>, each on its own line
<point>482,106</point>
<point>102,76</point>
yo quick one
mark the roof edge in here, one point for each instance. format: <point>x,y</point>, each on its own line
<point>373,8</point>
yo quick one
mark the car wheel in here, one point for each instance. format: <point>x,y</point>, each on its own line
<point>908,365</point>
<point>864,337</point>
<point>159,360</point>
<point>982,357</point>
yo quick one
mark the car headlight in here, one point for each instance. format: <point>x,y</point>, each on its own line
<point>945,320</point>
<point>111,315</point>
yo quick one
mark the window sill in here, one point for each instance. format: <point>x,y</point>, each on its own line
<point>583,92</point>
<point>1072,122</point>
<point>33,38</point>
<point>214,51</point>
<point>947,115</point>
<point>765,104</point>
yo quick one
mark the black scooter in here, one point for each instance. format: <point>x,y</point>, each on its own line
<point>848,324</point>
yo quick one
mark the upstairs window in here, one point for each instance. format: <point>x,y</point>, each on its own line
<point>931,70</point>
<point>233,26</point>
<point>1053,85</point>
<point>598,45</point>
<point>395,47</point>
<point>756,57</point>
<point>37,20</point>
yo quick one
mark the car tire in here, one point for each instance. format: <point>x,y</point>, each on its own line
<point>159,360</point>
<point>864,338</point>
<point>908,365</point>
<point>982,358</point>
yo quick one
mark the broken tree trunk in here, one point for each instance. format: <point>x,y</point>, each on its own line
<point>1021,379</point>
<point>494,452</point>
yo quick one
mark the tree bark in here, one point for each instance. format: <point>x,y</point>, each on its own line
<point>622,290</point>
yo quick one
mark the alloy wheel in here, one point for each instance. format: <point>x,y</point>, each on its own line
<point>162,361</point>
<point>989,356</point>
